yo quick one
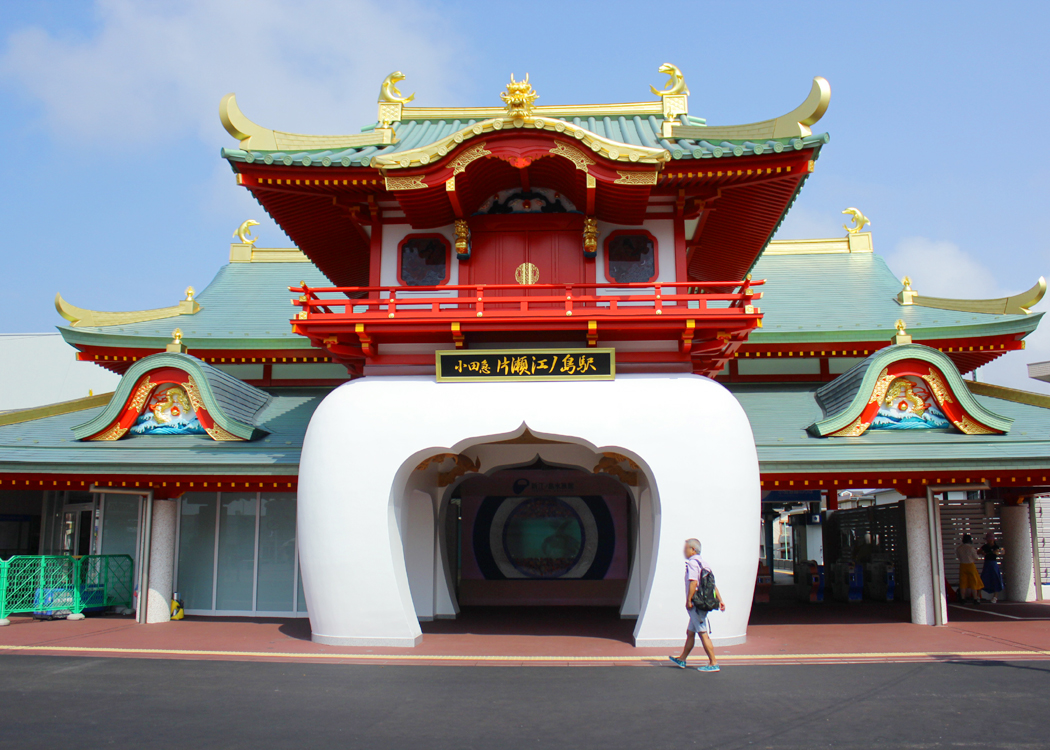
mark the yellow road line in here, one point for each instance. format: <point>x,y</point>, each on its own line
<point>458,657</point>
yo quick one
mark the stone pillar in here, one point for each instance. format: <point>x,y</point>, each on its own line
<point>1018,573</point>
<point>920,561</point>
<point>161,561</point>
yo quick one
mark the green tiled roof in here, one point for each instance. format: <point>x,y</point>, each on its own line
<point>852,297</point>
<point>634,131</point>
<point>806,298</point>
<point>844,398</point>
<point>780,414</point>
<point>48,445</point>
<point>246,306</point>
<point>233,404</point>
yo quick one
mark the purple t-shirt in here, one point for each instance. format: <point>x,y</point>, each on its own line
<point>693,566</point>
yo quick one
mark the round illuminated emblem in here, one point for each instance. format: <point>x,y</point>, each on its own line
<point>527,273</point>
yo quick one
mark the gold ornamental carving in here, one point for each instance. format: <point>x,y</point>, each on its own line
<point>938,386</point>
<point>590,235</point>
<point>859,220</point>
<point>141,394</point>
<point>116,432</point>
<point>901,336</point>
<point>611,464</point>
<point>635,178</point>
<point>881,385</point>
<point>462,236</point>
<point>388,91</point>
<point>577,157</point>
<point>675,84</point>
<point>433,151</point>
<point>439,458</point>
<point>194,393</point>
<point>527,274</point>
<point>218,433</point>
<point>970,427</point>
<point>405,183</point>
<point>675,95</point>
<point>902,389</point>
<point>519,98</point>
<point>459,164</point>
<point>854,429</point>
<point>244,232</point>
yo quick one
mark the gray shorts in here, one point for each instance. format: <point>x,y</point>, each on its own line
<point>697,621</point>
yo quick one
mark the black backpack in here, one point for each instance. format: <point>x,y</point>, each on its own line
<point>704,598</point>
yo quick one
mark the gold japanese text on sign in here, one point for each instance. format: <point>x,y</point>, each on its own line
<point>526,364</point>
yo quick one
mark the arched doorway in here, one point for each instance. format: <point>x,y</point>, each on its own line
<point>380,453</point>
<point>543,535</point>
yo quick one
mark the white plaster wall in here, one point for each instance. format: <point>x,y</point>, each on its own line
<point>161,561</point>
<point>703,475</point>
<point>418,537</point>
<point>641,565</point>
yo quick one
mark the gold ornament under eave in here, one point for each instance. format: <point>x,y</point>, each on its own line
<point>526,274</point>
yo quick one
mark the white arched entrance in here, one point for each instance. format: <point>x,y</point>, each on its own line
<point>360,494</point>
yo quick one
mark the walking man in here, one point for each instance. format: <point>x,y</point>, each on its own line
<point>694,567</point>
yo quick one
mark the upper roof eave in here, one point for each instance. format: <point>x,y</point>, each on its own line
<point>630,129</point>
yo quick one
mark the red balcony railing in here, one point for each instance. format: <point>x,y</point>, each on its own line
<point>512,302</point>
<point>708,322</point>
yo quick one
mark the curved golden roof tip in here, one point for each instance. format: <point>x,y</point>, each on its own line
<point>243,129</point>
<point>811,110</point>
<point>795,124</point>
<point>254,137</point>
<point>1018,304</point>
<point>1025,301</point>
<point>79,317</point>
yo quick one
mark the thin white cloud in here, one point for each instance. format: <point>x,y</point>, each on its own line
<point>804,224</point>
<point>154,72</point>
<point>940,268</point>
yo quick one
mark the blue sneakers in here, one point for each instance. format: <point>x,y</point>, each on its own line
<point>680,663</point>
<point>708,668</point>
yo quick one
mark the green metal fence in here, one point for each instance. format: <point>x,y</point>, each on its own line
<point>60,584</point>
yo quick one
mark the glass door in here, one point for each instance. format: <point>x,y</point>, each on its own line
<point>79,528</point>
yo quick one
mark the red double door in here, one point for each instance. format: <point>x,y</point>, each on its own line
<point>502,244</point>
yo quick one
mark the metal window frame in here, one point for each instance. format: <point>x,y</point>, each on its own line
<point>215,552</point>
<point>143,546</point>
<point>933,513</point>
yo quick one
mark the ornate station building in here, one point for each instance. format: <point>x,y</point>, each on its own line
<point>532,348</point>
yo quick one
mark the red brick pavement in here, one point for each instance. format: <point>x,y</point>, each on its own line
<point>778,634</point>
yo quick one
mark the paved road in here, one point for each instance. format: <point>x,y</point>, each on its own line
<point>86,702</point>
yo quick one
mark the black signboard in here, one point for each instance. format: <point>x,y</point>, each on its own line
<point>525,364</point>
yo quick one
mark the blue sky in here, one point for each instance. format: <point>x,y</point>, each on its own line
<point>113,192</point>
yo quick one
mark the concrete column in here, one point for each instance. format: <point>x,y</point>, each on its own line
<point>920,562</point>
<point>161,561</point>
<point>1018,573</point>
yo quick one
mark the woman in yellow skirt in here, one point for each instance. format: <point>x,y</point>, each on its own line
<point>969,580</point>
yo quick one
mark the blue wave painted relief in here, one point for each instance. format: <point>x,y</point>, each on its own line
<point>909,405</point>
<point>168,412</point>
